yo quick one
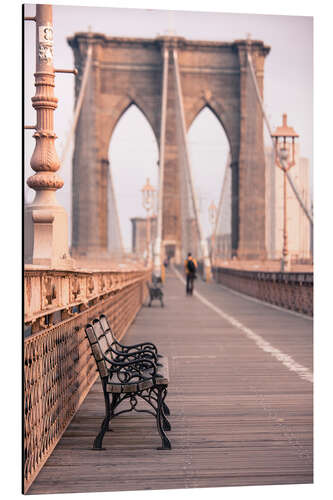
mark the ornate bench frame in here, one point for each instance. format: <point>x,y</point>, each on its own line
<point>129,373</point>
<point>155,290</point>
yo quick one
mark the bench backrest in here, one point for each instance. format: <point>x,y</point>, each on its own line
<point>98,347</point>
<point>154,285</point>
<point>107,329</point>
<point>104,338</point>
<point>156,280</point>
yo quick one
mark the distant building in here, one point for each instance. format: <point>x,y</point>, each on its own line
<point>298,227</point>
<point>139,234</point>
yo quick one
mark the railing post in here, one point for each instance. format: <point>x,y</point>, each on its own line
<point>45,221</point>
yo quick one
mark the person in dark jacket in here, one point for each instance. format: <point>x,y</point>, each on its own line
<point>191,267</point>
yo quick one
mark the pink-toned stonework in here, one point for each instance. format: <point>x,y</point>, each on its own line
<point>129,71</point>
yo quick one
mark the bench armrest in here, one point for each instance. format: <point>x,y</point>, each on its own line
<point>142,346</point>
<point>133,355</point>
<point>137,365</point>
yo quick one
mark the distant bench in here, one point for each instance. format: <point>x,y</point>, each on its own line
<point>155,290</point>
<point>129,372</point>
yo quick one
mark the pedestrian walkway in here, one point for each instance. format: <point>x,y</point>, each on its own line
<point>240,396</point>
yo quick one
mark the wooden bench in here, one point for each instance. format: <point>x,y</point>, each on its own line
<point>129,373</point>
<point>155,290</point>
<point>122,348</point>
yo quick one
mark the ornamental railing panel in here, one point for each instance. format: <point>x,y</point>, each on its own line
<point>58,368</point>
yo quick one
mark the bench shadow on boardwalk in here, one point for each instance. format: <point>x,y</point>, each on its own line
<point>238,416</point>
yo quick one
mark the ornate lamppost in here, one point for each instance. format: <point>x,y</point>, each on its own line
<point>212,210</point>
<point>45,220</point>
<point>284,138</point>
<point>148,200</point>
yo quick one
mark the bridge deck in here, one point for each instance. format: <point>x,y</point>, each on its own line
<point>239,416</point>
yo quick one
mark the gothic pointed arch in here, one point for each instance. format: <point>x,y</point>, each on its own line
<point>209,149</point>
<point>132,159</point>
<point>118,111</point>
<point>217,108</point>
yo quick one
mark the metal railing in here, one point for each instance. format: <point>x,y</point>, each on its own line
<point>58,368</point>
<point>53,294</point>
<point>292,290</point>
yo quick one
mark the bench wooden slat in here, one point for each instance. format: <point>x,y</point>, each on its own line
<point>147,384</point>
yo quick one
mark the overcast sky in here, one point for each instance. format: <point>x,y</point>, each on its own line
<point>133,151</point>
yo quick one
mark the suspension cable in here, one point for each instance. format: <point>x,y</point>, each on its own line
<point>162,144</point>
<point>293,187</point>
<point>222,195</point>
<point>187,161</point>
<point>115,213</point>
<point>79,103</point>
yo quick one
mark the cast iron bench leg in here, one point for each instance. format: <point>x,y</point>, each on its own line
<point>166,409</point>
<point>105,424</point>
<point>115,400</point>
<point>161,395</point>
<point>166,423</point>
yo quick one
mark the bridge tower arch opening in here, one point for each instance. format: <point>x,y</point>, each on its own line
<point>210,154</point>
<point>133,157</point>
<point>213,74</point>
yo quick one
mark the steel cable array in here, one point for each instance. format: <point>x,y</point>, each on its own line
<point>115,240</point>
<point>222,230</point>
<point>269,129</point>
<point>191,228</point>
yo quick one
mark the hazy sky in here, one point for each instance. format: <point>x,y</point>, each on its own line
<point>133,151</point>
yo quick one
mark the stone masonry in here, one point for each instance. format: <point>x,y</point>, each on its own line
<point>128,71</point>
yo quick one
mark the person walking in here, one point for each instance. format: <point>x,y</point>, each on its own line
<point>191,267</point>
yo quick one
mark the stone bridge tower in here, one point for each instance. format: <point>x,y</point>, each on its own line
<point>129,71</point>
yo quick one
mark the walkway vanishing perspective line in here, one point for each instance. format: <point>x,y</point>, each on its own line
<point>285,359</point>
<point>238,416</point>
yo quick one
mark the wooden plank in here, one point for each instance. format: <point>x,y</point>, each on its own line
<point>238,416</point>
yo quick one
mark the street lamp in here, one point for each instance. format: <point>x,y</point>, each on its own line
<point>148,201</point>
<point>212,219</point>
<point>284,138</point>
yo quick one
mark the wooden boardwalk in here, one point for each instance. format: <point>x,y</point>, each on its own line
<point>239,415</point>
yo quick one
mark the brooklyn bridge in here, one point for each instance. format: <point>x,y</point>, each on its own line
<point>239,350</point>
